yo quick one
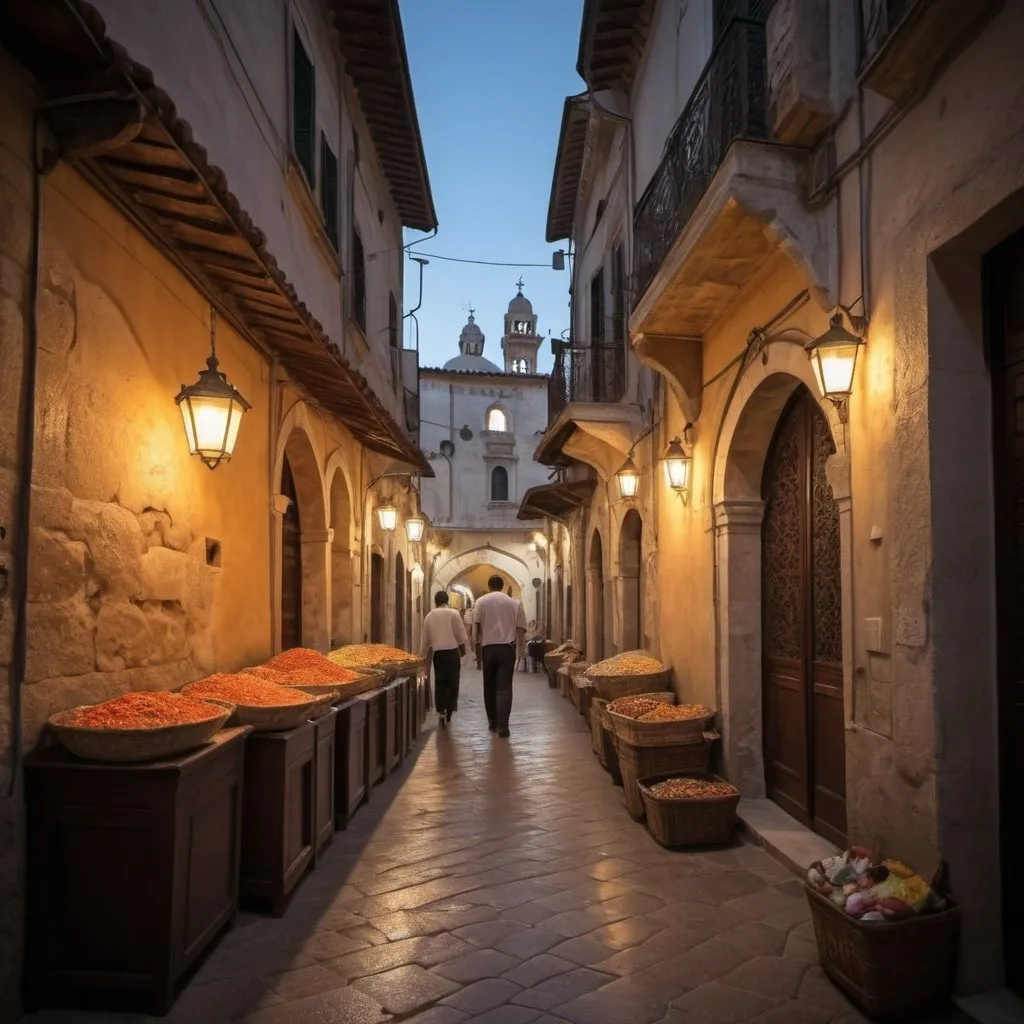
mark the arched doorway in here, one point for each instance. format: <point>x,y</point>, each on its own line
<point>804,736</point>
<point>376,598</point>
<point>595,600</point>
<point>399,600</point>
<point>631,598</point>
<point>291,564</point>
<point>342,584</point>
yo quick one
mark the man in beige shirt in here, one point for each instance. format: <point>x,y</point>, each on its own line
<point>500,632</point>
<point>444,638</point>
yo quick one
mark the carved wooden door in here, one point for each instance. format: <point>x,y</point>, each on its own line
<point>291,565</point>
<point>1007,359</point>
<point>804,736</point>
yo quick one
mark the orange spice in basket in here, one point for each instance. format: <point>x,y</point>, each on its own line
<point>144,710</point>
<point>245,690</point>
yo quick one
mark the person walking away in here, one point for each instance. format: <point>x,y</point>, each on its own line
<point>444,638</point>
<point>471,632</point>
<point>500,633</point>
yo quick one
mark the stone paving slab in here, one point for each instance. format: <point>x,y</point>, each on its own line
<point>499,881</point>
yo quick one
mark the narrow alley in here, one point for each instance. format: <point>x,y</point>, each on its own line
<point>503,882</point>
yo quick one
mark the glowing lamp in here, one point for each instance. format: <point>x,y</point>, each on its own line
<point>211,411</point>
<point>833,358</point>
<point>414,527</point>
<point>678,464</point>
<point>387,516</point>
<point>628,477</point>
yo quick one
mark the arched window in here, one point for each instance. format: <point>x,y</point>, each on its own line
<point>497,419</point>
<point>499,484</point>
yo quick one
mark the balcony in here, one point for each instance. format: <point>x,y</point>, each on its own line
<point>590,373</point>
<point>728,103</point>
<point>903,41</point>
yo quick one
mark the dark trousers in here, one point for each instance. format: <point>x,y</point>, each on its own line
<point>499,665</point>
<point>447,666</point>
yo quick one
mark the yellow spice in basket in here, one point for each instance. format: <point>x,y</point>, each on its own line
<point>629,663</point>
<point>368,655</point>
<point>676,713</point>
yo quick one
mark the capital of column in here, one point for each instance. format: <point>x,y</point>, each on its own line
<point>317,536</point>
<point>279,504</point>
<point>738,515</point>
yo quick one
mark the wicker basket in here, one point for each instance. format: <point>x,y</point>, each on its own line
<point>611,687</point>
<point>126,745</point>
<point>275,718</point>
<point>891,969</point>
<point>660,734</point>
<point>637,763</point>
<point>609,756</point>
<point>552,663</point>
<point>698,821</point>
<point>587,692</point>
<point>323,703</point>
<point>595,725</point>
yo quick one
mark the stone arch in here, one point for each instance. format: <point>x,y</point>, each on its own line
<point>748,428</point>
<point>596,611</point>
<point>631,582</point>
<point>502,561</point>
<point>296,442</point>
<point>345,561</point>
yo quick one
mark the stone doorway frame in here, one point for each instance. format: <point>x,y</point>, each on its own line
<point>747,429</point>
<point>346,562</point>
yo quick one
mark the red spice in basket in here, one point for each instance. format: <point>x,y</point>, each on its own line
<point>146,710</point>
<point>246,690</point>
<point>302,659</point>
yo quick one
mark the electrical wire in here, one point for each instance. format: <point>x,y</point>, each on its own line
<point>482,263</point>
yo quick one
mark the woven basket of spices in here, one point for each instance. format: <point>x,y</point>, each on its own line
<point>595,724</point>
<point>665,725</point>
<point>138,727</point>
<point>692,809</point>
<point>629,673</point>
<point>637,763</point>
<point>264,705</point>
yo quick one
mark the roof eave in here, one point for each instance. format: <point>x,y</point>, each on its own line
<point>565,179</point>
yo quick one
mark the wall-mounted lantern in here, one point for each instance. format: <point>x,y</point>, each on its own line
<point>628,477</point>
<point>211,410</point>
<point>679,466</point>
<point>414,527</point>
<point>387,516</point>
<point>833,358</point>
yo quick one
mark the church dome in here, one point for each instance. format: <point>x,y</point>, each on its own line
<point>520,306</point>
<point>471,364</point>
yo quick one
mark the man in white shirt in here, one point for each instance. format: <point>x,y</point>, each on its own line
<point>470,629</point>
<point>500,632</point>
<point>444,636</point>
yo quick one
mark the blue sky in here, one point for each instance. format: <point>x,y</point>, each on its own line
<point>489,80</point>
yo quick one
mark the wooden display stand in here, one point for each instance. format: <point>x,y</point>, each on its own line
<point>278,827</point>
<point>325,729</point>
<point>376,740</point>
<point>133,870</point>
<point>394,715</point>
<point>413,708</point>
<point>349,760</point>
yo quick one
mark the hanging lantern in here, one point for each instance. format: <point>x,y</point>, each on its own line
<point>414,527</point>
<point>833,358</point>
<point>678,464</point>
<point>387,516</point>
<point>628,477</point>
<point>211,410</point>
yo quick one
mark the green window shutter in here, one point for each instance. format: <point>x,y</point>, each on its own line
<point>304,110</point>
<point>329,190</point>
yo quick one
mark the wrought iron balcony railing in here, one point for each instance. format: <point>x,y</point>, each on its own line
<point>728,103</point>
<point>588,373</point>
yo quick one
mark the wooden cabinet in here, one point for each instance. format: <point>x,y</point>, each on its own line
<point>325,729</point>
<point>278,820</point>
<point>413,709</point>
<point>393,732</point>
<point>133,870</point>
<point>376,740</point>
<point>349,760</point>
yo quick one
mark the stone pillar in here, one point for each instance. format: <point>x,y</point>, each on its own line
<point>316,588</point>
<point>278,506</point>
<point>737,526</point>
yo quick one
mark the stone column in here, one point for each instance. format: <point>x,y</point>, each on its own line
<point>737,526</point>
<point>278,506</point>
<point>316,588</point>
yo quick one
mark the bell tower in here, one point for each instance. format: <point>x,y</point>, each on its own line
<point>520,342</point>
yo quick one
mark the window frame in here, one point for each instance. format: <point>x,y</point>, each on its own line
<point>358,275</point>
<point>393,340</point>
<point>299,45</point>
<point>500,409</point>
<point>508,484</point>
<point>330,195</point>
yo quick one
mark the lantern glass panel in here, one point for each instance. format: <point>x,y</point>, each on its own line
<point>834,367</point>
<point>629,482</point>
<point>211,424</point>
<point>388,517</point>
<point>678,472</point>
<point>414,529</point>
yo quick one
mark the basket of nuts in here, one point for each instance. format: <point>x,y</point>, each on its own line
<point>629,673</point>
<point>692,809</point>
<point>665,724</point>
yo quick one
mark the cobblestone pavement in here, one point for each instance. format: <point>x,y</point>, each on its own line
<point>502,882</point>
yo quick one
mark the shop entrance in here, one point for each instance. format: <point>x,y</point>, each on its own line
<point>801,602</point>
<point>1006,278</point>
<point>291,564</point>
<point>377,599</point>
<point>595,600</point>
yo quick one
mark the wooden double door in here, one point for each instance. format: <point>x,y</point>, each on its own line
<point>1006,337</point>
<point>801,600</point>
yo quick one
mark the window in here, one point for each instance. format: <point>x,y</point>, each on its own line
<point>520,366</point>
<point>303,110</point>
<point>497,420</point>
<point>358,281</point>
<point>597,308</point>
<point>499,484</point>
<point>393,337</point>
<point>521,327</point>
<point>329,190</point>
<point>618,296</point>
